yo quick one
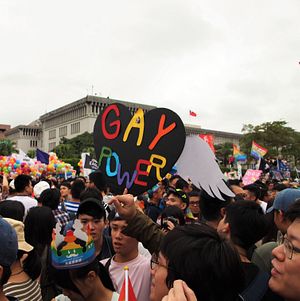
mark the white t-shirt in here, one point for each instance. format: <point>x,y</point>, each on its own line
<point>263,205</point>
<point>139,274</point>
<point>27,201</point>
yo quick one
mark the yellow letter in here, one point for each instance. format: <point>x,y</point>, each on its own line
<point>137,121</point>
<point>157,165</point>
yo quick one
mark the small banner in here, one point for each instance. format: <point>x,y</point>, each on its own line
<point>251,176</point>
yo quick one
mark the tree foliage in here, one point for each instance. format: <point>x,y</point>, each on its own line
<point>224,152</point>
<point>72,148</point>
<point>275,136</point>
<point>7,147</point>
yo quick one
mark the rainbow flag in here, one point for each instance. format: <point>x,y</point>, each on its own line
<point>238,155</point>
<point>257,151</point>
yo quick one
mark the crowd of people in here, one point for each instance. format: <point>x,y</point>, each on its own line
<point>72,240</point>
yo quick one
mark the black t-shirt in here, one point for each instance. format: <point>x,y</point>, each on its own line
<point>107,250</point>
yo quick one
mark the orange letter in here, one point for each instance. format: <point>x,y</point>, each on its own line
<point>161,131</point>
<point>157,165</point>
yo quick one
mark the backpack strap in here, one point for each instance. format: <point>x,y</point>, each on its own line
<point>257,288</point>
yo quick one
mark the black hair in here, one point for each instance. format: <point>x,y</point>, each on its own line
<point>12,209</point>
<point>114,216</point>
<point>91,193</point>
<point>293,211</point>
<point>66,184</point>
<point>5,275</point>
<point>279,187</point>
<point>50,198</point>
<point>173,211</point>
<point>247,221</point>
<point>77,188</point>
<point>181,184</point>
<point>98,178</point>
<point>63,277</point>
<point>209,264</point>
<point>210,207</point>
<point>21,181</point>
<point>32,265</point>
<point>39,223</point>
<point>194,193</point>
<point>254,189</point>
<point>97,211</point>
<point>233,182</point>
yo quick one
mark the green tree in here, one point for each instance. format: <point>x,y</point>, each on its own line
<point>224,152</point>
<point>275,136</point>
<point>7,147</point>
<point>72,148</point>
<point>31,153</point>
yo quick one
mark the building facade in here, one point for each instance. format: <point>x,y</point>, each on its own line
<point>3,129</point>
<point>76,118</point>
<point>26,137</point>
<point>79,117</point>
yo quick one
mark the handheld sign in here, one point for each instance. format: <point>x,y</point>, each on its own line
<point>137,151</point>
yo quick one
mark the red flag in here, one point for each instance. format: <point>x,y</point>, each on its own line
<point>193,114</point>
<point>129,290</point>
<point>209,139</point>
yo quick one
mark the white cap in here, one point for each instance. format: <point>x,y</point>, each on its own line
<point>39,188</point>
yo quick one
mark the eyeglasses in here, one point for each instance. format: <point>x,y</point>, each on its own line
<point>154,263</point>
<point>194,203</point>
<point>289,248</point>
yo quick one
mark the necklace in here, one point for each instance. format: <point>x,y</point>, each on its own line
<point>17,273</point>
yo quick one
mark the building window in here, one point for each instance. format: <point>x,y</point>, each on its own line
<point>51,146</point>
<point>52,134</point>
<point>63,131</point>
<point>75,128</point>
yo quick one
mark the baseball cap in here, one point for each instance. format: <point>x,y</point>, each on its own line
<point>179,193</point>
<point>39,188</point>
<point>284,199</point>
<point>8,242</point>
<point>19,228</point>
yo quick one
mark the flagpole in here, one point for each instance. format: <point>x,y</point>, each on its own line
<point>126,282</point>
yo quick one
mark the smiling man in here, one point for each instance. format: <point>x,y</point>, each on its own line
<point>285,277</point>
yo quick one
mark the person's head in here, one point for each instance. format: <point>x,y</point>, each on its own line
<point>39,223</point>
<point>252,192</point>
<point>91,212</point>
<point>124,246</point>
<point>178,198</point>
<point>65,189</point>
<point>197,255</point>
<point>23,184</point>
<point>194,204</point>
<point>183,185</point>
<point>285,275</point>
<point>173,180</point>
<point>173,214</point>
<point>238,191</point>
<point>283,200</point>
<point>50,198</point>
<point>213,209</point>
<point>97,179</point>
<point>244,223</point>
<point>12,209</point>
<point>91,193</point>
<point>156,193</point>
<point>8,250</point>
<point>39,188</point>
<point>80,283</point>
<point>77,188</point>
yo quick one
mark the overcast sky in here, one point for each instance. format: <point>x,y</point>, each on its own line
<point>232,62</point>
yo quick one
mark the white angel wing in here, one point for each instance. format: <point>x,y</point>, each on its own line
<point>198,163</point>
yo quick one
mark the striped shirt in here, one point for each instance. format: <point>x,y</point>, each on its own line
<point>24,291</point>
<point>71,207</point>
